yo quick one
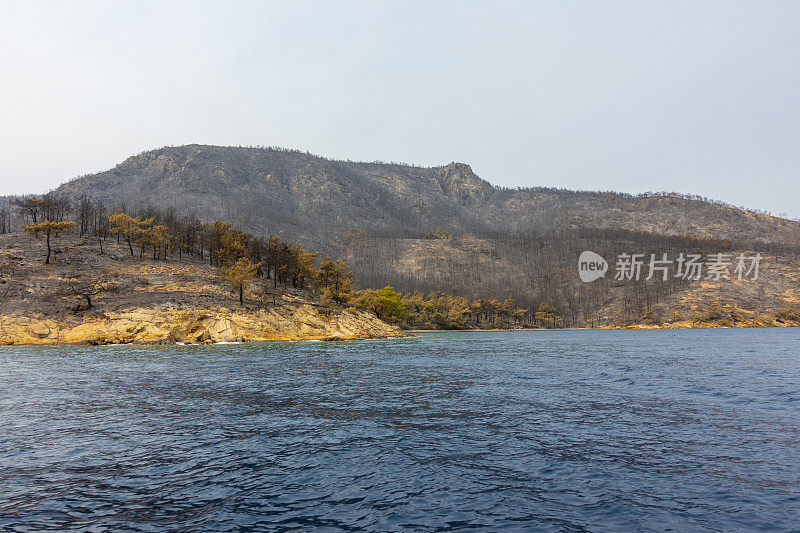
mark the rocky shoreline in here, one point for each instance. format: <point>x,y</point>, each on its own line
<point>158,326</point>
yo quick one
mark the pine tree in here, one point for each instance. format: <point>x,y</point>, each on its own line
<point>128,226</point>
<point>334,279</point>
<point>49,229</point>
<point>240,275</point>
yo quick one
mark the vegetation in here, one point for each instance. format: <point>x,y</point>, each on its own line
<point>438,310</point>
<point>386,303</point>
<point>451,263</point>
<point>268,264</point>
<point>87,286</point>
<point>50,229</point>
<point>245,261</point>
<point>240,275</point>
<point>428,230</point>
<point>790,313</point>
<point>712,313</point>
<point>334,279</point>
<point>129,227</point>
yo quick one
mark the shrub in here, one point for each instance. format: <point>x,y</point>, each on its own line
<point>713,313</point>
<point>791,313</point>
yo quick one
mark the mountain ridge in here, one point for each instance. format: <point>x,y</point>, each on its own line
<point>265,189</point>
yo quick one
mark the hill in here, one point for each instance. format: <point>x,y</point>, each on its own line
<point>288,193</point>
<point>445,229</point>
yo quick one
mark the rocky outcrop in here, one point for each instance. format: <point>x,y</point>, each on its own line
<point>145,325</point>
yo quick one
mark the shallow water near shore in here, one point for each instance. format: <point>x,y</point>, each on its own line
<point>539,430</point>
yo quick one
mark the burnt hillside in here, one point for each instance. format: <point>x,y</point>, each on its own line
<point>313,199</point>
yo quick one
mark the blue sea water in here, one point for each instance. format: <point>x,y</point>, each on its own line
<point>540,431</point>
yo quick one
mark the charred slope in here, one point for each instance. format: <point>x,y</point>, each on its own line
<point>313,199</point>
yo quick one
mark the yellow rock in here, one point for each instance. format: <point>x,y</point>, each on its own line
<point>144,325</point>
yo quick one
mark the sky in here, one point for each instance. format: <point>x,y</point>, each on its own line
<point>687,96</point>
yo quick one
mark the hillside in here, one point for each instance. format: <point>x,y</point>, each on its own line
<point>543,270</point>
<point>144,300</point>
<point>446,229</point>
<point>288,193</point>
<point>149,301</point>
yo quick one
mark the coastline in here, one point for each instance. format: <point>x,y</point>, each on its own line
<point>222,326</point>
<point>302,322</point>
<point>676,325</point>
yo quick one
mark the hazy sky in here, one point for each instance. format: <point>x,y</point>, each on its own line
<point>700,97</point>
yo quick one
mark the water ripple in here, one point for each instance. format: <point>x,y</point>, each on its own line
<point>545,431</point>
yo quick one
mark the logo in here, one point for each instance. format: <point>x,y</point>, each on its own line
<point>591,266</point>
<point>713,267</point>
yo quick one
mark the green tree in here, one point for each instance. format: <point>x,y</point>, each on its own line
<point>334,279</point>
<point>388,305</point>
